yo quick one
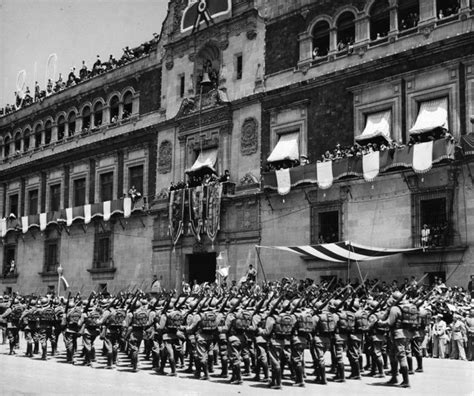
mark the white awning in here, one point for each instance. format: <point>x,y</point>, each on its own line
<point>206,159</point>
<point>286,148</point>
<point>433,114</point>
<point>377,124</point>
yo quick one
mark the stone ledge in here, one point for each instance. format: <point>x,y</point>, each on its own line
<point>437,255</point>
<point>10,279</point>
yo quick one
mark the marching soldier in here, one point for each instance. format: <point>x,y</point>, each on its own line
<point>29,320</point>
<point>12,315</point>
<point>73,321</point>
<point>378,338</point>
<point>302,339</point>
<point>113,321</point>
<point>90,331</point>
<point>45,326</point>
<point>138,322</point>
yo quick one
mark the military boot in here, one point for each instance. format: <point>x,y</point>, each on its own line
<point>29,350</point>
<point>355,375</point>
<point>419,363</point>
<point>12,347</point>
<point>341,375</point>
<point>277,384</point>
<point>265,371</point>
<point>225,371</point>
<point>236,375</point>
<point>36,349</point>
<point>45,353</point>
<point>406,382</point>
<point>299,376</point>
<point>205,370</point>
<point>246,366</point>
<point>322,375</point>
<point>410,365</point>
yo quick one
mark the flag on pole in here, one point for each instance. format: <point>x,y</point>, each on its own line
<point>223,271</point>
<point>64,281</point>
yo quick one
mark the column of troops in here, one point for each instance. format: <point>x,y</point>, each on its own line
<point>263,333</point>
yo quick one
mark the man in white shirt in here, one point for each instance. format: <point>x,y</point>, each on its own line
<point>439,337</point>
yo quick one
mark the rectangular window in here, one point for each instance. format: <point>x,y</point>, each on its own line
<point>325,224</point>
<point>79,192</point>
<point>103,250</point>
<point>136,178</point>
<point>55,197</point>
<point>239,66</point>
<point>51,260</point>
<point>9,254</point>
<point>51,289</point>
<point>14,204</point>
<point>32,202</point>
<point>182,85</point>
<point>431,226</point>
<point>106,186</point>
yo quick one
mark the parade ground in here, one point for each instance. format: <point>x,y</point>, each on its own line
<point>32,376</point>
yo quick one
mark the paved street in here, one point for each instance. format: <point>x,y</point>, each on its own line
<point>25,376</point>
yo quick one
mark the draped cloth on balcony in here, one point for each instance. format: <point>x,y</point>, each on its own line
<point>283,181</point>
<point>195,206</point>
<point>287,148</point>
<point>176,215</point>
<point>371,165</point>
<point>433,114</point>
<point>213,215</point>
<point>341,252</point>
<point>377,125</point>
<point>206,159</point>
<point>325,175</point>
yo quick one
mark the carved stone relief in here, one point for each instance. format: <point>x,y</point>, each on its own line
<point>249,137</point>
<point>165,153</point>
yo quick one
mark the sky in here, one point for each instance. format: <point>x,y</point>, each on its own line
<point>74,30</point>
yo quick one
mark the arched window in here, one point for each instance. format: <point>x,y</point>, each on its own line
<point>18,142</point>
<point>114,108</point>
<point>446,8</point>
<point>207,67</point>
<point>48,130</point>
<point>38,136</point>
<point>408,14</point>
<point>320,39</point>
<point>379,20</point>
<point>6,147</point>
<point>345,30</point>
<point>86,117</point>
<point>98,114</point>
<point>71,123</point>
<point>61,127</point>
<point>127,105</point>
<point>26,140</point>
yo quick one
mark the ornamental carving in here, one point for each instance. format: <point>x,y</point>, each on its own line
<point>249,137</point>
<point>169,64</point>
<point>251,34</point>
<point>164,157</point>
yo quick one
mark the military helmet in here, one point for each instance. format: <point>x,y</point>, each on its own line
<point>394,298</point>
<point>43,302</point>
<point>33,302</point>
<point>355,304</point>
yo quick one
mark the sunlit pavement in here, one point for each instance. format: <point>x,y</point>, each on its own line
<point>32,376</point>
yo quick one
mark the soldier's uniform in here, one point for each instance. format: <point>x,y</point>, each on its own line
<point>169,324</point>
<point>324,330</point>
<point>302,339</point>
<point>261,343</point>
<point>424,320</point>
<point>113,320</point>
<point>345,325</point>
<point>29,320</point>
<point>58,325</point>
<point>356,340</point>
<point>378,339</point>
<point>12,315</point>
<point>91,330</point>
<point>73,321</point>
<point>45,327</point>
<point>470,334</point>
<point>402,320</point>
<point>138,322</point>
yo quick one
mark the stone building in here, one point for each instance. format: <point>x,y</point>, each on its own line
<point>244,86</point>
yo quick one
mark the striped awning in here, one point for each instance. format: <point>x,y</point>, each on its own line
<point>341,252</point>
<point>433,114</point>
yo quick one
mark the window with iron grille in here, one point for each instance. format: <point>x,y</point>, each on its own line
<point>14,204</point>
<point>136,177</point>
<point>51,255</point>
<point>432,210</point>
<point>326,223</point>
<point>106,186</point>
<point>32,202</point>
<point>54,197</point>
<point>80,192</point>
<point>103,246</point>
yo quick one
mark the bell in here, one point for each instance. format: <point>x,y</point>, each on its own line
<point>205,79</point>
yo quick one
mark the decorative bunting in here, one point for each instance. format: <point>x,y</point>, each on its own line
<point>176,214</point>
<point>127,207</point>
<point>213,217</point>
<point>371,165</point>
<point>43,221</point>
<point>283,181</point>
<point>325,177</point>
<point>69,218</point>
<point>24,224</point>
<point>3,227</point>
<point>195,205</point>
<point>107,212</point>
<point>87,214</point>
<point>422,157</point>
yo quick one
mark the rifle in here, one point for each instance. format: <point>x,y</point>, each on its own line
<point>89,301</point>
<point>221,309</point>
<point>259,306</point>
<point>274,307</point>
<point>67,304</point>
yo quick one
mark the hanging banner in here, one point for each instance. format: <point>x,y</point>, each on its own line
<point>371,165</point>
<point>203,11</point>
<point>195,206</point>
<point>213,208</point>
<point>176,214</point>
<point>283,181</point>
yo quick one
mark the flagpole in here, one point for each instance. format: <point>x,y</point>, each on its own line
<point>60,273</point>
<point>261,265</point>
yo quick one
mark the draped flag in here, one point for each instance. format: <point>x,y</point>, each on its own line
<point>283,181</point>
<point>3,226</point>
<point>422,157</point>
<point>195,206</point>
<point>223,271</point>
<point>107,212</point>
<point>43,221</point>
<point>127,207</point>
<point>213,216</point>
<point>324,171</point>
<point>24,224</point>
<point>341,252</point>
<point>176,214</point>
<point>371,165</point>
<point>87,214</point>
<point>64,281</point>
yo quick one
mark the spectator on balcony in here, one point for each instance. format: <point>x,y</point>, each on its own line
<point>71,78</point>
<point>134,194</point>
<point>97,66</point>
<point>49,87</point>
<point>304,160</point>
<point>425,236</point>
<point>11,269</point>
<point>84,72</point>
<point>315,52</point>
<point>111,63</point>
<point>125,114</point>
<point>225,177</point>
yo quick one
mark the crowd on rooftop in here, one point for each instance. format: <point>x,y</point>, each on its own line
<point>76,77</point>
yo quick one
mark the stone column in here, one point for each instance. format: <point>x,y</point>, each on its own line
<point>332,41</point>
<point>305,40</point>
<point>428,12</point>
<point>362,30</point>
<point>393,19</point>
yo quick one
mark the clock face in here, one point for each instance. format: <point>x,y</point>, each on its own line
<point>200,12</point>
